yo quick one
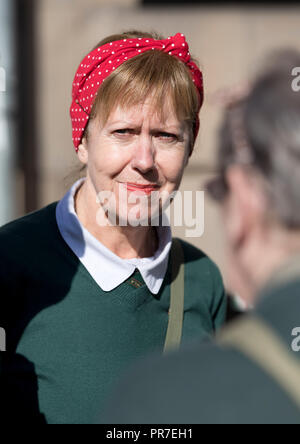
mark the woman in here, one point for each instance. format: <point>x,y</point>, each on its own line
<point>87,280</point>
<point>255,377</point>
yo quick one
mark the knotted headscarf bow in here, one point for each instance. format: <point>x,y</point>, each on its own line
<point>100,63</point>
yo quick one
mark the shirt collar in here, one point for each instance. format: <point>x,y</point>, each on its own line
<point>106,268</point>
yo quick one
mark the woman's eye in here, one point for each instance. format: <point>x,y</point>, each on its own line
<point>123,131</point>
<point>168,136</point>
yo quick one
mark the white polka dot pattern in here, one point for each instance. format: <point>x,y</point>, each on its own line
<point>102,61</point>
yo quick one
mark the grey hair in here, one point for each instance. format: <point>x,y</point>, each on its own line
<point>271,125</point>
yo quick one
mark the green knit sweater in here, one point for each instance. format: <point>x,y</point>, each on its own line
<point>68,342</point>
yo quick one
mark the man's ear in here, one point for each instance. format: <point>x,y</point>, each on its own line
<point>245,205</point>
<point>83,151</point>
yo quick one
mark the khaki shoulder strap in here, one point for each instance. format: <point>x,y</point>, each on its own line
<point>174,331</point>
<point>261,344</point>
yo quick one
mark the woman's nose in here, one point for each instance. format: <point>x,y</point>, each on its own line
<point>143,158</point>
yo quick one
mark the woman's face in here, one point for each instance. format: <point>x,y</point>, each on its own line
<point>135,154</point>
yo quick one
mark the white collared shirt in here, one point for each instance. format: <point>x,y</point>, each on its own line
<point>106,268</point>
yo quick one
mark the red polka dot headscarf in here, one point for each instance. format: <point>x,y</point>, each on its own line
<point>100,63</point>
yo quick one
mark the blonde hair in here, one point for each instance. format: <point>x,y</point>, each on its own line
<point>152,73</point>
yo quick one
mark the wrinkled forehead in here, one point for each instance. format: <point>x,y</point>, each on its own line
<point>151,112</point>
<point>137,114</point>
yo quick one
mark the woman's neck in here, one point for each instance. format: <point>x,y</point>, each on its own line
<point>126,242</point>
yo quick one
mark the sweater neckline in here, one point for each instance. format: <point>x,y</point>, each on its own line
<point>125,294</point>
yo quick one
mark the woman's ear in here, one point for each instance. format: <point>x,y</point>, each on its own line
<point>187,159</point>
<point>82,152</point>
<point>190,152</point>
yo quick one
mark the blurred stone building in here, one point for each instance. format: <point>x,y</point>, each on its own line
<point>228,42</point>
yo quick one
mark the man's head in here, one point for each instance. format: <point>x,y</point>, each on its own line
<point>259,181</point>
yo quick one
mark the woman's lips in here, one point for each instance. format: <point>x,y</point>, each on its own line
<point>144,189</point>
